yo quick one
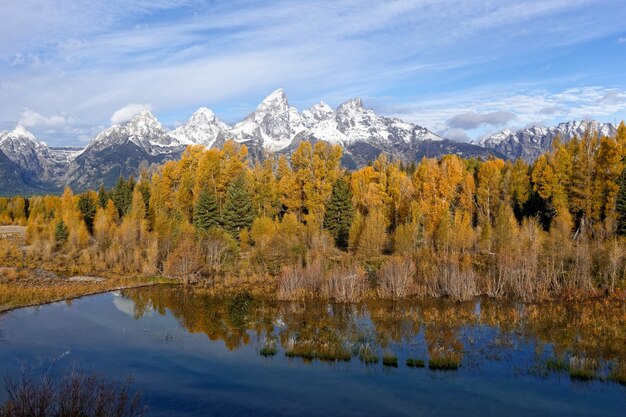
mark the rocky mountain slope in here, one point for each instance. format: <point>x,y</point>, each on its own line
<point>530,142</point>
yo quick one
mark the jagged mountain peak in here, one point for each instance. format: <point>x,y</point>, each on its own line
<point>352,104</point>
<point>530,142</point>
<point>21,131</point>
<point>21,134</point>
<point>203,128</point>
<point>275,101</point>
<point>20,137</point>
<point>277,95</point>
<point>321,111</point>
<point>202,115</point>
<point>143,122</point>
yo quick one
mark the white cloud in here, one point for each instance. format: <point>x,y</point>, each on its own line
<point>621,40</point>
<point>528,106</point>
<point>30,118</point>
<point>472,119</point>
<point>128,112</point>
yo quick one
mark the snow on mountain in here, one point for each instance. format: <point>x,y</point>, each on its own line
<point>28,152</point>
<point>530,142</point>
<point>353,123</point>
<point>202,128</point>
<point>272,125</point>
<point>317,113</point>
<point>143,130</point>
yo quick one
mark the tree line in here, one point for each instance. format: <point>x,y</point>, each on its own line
<point>444,227</point>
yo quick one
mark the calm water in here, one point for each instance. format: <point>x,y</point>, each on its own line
<point>191,354</point>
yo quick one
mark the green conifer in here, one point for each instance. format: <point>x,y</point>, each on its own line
<point>88,209</point>
<point>339,213</point>
<point>238,212</point>
<point>61,232</point>
<point>206,212</point>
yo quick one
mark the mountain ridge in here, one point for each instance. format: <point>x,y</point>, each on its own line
<point>273,127</point>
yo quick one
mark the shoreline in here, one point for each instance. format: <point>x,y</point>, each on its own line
<point>4,310</point>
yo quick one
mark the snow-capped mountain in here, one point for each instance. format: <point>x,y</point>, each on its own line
<point>274,126</point>
<point>143,130</point>
<point>25,150</point>
<point>33,157</point>
<point>120,150</point>
<point>202,128</point>
<point>530,142</point>
<point>352,123</point>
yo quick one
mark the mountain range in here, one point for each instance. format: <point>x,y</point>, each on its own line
<point>529,143</point>
<point>28,165</point>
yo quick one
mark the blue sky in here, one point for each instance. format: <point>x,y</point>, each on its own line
<point>461,68</point>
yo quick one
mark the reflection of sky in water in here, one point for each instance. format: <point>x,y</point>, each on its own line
<point>181,362</point>
<point>127,305</point>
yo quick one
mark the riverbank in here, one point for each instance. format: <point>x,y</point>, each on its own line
<point>21,288</point>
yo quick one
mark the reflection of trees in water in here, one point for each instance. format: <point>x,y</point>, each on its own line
<point>228,319</point>
<point>592,329</point>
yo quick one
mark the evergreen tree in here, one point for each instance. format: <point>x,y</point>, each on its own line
<point>621,205</point>
<point>238,212</point>
<point>61,232</point>
<point>339,213</point>
<point>87,207</point>
<point>205,212</point>
<point>123,195</point>
<point>103,196</point>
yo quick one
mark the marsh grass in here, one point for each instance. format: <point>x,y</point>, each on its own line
<point>390,360</point>
<point>268,351</point>
<point>368,356</point>
<point>582,369</point>
<point>618,374</point>
<point>333,354</point>
<point>557,365</point>
<point>444,359</point>
<point>415,363</point>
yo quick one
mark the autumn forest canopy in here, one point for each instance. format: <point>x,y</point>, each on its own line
<point>304,226</point>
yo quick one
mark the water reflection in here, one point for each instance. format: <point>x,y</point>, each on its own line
<point>586,340</point>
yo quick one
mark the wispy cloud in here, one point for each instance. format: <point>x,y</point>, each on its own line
<point>30,118</point>
<point>128,112</point>
<point>472,119</point>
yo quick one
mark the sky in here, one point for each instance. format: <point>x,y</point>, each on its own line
<point>464,69</point>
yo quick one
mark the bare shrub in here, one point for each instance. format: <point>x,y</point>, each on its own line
<point>345,284</point>
<point>456,279</point>
<point>218,250</point>
<point>395,278</point>
<point>72,395</point>
<point>185,261</point>
<point>296,282</point>
<point>291,283</point>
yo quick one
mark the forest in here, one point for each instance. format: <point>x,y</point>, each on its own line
<point>305,227</point>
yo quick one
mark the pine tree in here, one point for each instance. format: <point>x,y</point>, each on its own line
<point>87,206</point>
<point>103,196</point>
<point>123,195</point>
<point>205,212</point>
<point>238,212</point>
<point>339,213</point>
<point>61,232</point>
<point>621,205</point>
